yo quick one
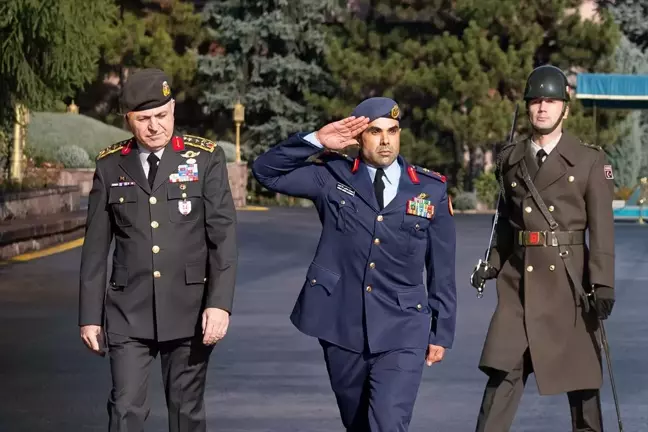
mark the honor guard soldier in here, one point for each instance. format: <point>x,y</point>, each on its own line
<point>364,297</point>
<point>554,189</point>
<point>165,200</point>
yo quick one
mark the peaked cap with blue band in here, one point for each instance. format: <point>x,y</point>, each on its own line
<point>377,107</point>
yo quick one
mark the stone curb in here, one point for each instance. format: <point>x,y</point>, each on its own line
<point>479,212</point>
<point>28,235</point>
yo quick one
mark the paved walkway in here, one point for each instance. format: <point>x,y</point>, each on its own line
<point>268,377</point>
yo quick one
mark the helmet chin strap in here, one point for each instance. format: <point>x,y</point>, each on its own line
<point>548,130</point>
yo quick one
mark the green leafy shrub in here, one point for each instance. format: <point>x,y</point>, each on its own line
<point>73,156</point>
<point>229,149</point>
<point>34,178</point>
<point>623,193</point>
<point>48,131</point>
<point>465,201</point>
<point>487,188</point>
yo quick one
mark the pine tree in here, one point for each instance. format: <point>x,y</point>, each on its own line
<point>48,50</point>
<point>164,34</point>
<point>457,67</point>
<point>266,55</point>
<point>626,156</point>
<point>632,58</point>
<point>632,16</point>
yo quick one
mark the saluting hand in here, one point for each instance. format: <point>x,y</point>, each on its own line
<point>342,133</point>
<point>214,325</point>
<point>434,354</point>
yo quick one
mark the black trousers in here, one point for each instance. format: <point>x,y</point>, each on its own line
<point>184,372</point>
<point>504,391</point>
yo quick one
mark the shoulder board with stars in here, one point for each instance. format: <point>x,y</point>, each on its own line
<point>113,149</point>
<point>435,175</point>
<point>199,142</point>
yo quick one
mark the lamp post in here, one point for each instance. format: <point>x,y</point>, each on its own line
<point>20,121</point>
<point>642,200</point>
<point>239,117</point>
<point>73,108</point>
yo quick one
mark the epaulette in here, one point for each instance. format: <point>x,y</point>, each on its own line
<point>428,172</point>
<point>199,142</point>
<point>592,146</point>
<point>328,155</point>
<point>112,149</point>
<point>336,153</point>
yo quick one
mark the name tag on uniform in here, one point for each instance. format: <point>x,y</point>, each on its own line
<point>346,189</point>
<point>122,184</point>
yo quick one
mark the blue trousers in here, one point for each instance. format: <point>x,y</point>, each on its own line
<point>374,392</point>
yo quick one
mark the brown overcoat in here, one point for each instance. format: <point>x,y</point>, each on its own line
<point>537,305</point>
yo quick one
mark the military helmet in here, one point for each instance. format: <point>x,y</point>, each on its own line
<point>546,82</point>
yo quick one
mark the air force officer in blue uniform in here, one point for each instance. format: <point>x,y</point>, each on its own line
<point>384,222</point>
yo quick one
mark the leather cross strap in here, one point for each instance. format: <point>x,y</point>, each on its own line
<point>553,225</point>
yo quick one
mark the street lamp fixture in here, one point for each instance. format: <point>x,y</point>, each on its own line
<point>239,118</point>
<point>20,128</point>
<point>642,201</point>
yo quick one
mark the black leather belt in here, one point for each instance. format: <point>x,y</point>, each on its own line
<point>549,238</point>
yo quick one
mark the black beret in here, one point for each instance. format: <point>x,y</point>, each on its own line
<point>377,107</point>
<point>145,89</point>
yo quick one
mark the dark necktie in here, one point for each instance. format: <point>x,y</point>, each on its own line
<point>540,157</point>
<point>379,187</point>
<point>153,167</point>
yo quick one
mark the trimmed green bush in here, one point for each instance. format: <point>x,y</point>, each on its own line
<point>487,188</point>
<point>465,201</point>
<point>49,131</point>
<point>229,148</point>
<point>73,156</point>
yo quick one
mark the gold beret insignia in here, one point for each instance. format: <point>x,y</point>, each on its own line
<point>395,112</point>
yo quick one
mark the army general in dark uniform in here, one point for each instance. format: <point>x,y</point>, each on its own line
<point>555,189</point>
<point>165,201</point>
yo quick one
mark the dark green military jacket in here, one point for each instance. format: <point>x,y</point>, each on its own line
<point>538,306</point>
<point>175,243</point>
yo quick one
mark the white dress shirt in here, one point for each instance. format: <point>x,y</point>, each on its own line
<point>390,180</point>
<point>535,148</point>
<point>144,154</point>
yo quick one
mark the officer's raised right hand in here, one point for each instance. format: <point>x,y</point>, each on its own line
<point>342,133</point>
<point>483,271</point>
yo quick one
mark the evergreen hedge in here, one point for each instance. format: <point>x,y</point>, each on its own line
<point>50,135</point>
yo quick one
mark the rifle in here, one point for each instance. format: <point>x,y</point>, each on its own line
<point>484,263</point>
<point>608,359</point>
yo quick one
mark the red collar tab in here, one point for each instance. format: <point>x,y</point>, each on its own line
<point>177,143</point>
<point>127,148</point>
<point>412,174</point>
<point>356,165</point>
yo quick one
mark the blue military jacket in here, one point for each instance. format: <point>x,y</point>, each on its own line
<point>365,287</point>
